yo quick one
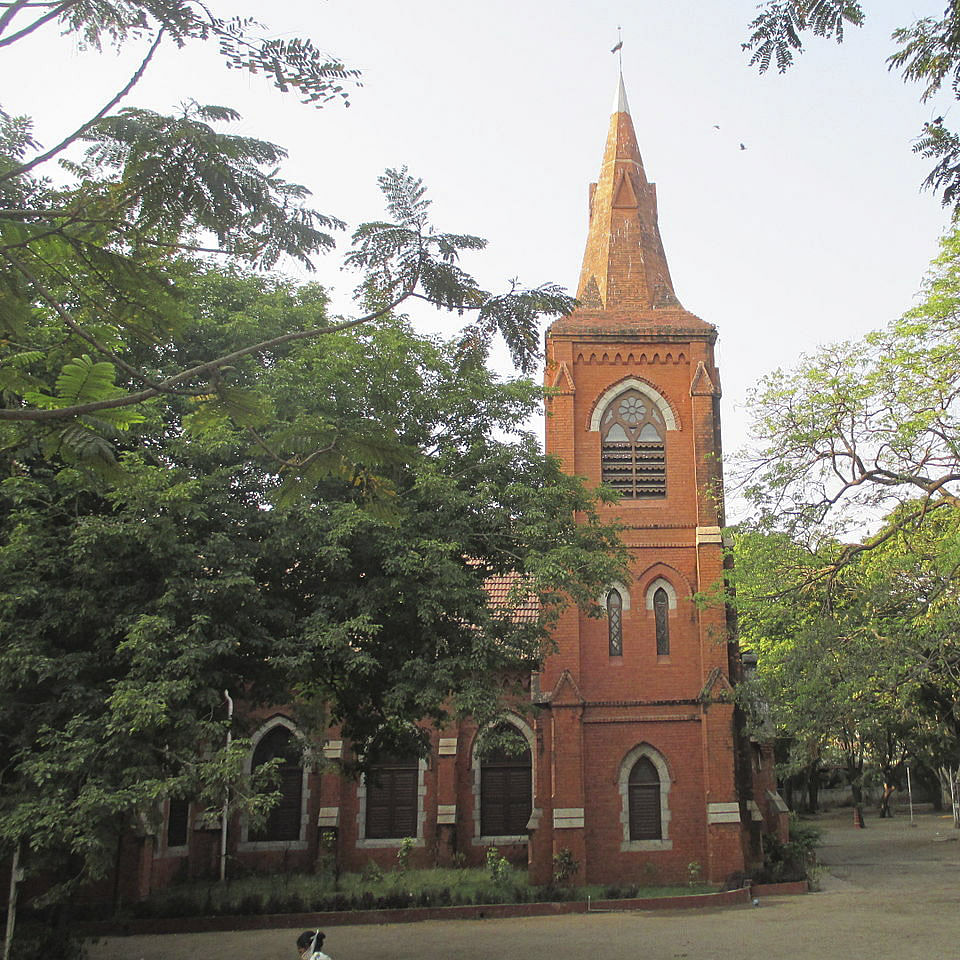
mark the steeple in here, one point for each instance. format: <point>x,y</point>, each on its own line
<point>624,264</point>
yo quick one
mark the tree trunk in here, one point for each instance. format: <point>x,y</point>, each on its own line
<point>813,787</point>
<point>888,791</point>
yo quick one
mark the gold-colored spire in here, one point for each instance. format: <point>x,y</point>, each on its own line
<point>624,265</point>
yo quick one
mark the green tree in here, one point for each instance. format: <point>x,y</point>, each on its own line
<point>357,588</point>
<point>87,255</point>
<point>859,427</point>
<point>926,51</point>
<point>858,661</point>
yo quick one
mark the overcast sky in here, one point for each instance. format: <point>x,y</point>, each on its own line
<point>817,231</point>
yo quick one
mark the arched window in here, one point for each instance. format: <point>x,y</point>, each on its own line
<point>392,798</point>
<point>615,623</point>
<point>644,801</point>
<point>506,785</point>
<point>283,821</point>
<point>661,609</point>
<point>633,456</point>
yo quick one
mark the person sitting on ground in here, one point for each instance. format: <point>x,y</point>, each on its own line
<point>310,945</point>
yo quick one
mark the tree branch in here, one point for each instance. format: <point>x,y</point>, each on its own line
<point>53,151</point>
<point>39,22</point>
<point>20,414</point>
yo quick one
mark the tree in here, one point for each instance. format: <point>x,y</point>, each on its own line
<point>860,427</point>
<point>127,609</point>
<point>857,661</point>
<point>927,51</point>
<point>87,262</point>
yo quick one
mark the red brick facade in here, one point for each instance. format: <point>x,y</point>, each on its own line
<point>606,716</point>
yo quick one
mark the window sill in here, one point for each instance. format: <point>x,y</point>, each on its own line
<point>637,846</point>
<point>253,846</point>
<point>385,843</point>
<point>499,841</point>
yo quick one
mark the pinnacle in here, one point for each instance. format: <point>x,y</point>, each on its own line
<point>620,104</point>
<point>624,265</point>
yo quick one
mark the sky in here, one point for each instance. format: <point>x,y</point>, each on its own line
<point>817,231</point>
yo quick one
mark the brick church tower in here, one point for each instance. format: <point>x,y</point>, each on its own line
<point>637,739</point>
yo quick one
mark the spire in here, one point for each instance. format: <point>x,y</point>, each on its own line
<point>624,265</point>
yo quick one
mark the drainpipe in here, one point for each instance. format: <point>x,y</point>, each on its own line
<point>226,797</point>
<point>16,875</point>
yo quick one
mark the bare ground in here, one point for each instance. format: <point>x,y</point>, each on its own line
<point>889,892</point>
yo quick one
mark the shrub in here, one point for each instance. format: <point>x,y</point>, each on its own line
<point>565,867</point>
<point>403,854</point>
<point>794,860</point>
<point>498,867</point>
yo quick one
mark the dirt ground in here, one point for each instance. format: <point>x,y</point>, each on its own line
<point>889,892</point>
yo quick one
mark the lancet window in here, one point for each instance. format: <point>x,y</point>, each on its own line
<point>615,623</point>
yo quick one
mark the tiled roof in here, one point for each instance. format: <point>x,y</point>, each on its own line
<point>499,588</point>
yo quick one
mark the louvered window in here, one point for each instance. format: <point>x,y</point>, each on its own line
<point>392,799</point>
<point>661,609</point>
<point>506,789</point>
<point>633,455</point>
<point>644,790</point>
<point>615,623</point>
<point>283,821</point>
<point>178,819</point>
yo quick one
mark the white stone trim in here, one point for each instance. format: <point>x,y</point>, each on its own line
<point>709,535</point>
<point>755,813</point>
<point>446,813</point>
<point>381,843</point>
<point>623,784</point>
<point>723,813</point>
<point>565,818</point>
<point>478,839</point>
<point>447,747</point>
<point>632,383</point>
<point>779,804</point>
<point>328,817</point>
<point>333,749</point>
<point>621,589</point>
<point>667,586</point>
<point>246,844</point>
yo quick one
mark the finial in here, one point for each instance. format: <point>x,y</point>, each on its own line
<point>618,50</point>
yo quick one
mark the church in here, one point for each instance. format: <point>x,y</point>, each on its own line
<point>631,759</point>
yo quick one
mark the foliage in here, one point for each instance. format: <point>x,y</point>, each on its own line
<point>403,854</point>
<point>90,279</point>
<point>565,866</point>
<point>927,51</point>
<point>791,861</point>
<point>858,662</point>
<point>438,887</point>
<point>694,872</point>
<point>498,867</point>
<point>354,578</point>
<point>863,426</point>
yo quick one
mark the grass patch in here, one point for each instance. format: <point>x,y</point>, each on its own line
<point>373,890</point>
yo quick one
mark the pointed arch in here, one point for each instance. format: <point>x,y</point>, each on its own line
<point>286,825</point>
<point>645,783</point>
<point>503,786</point>
<point>670,419</point>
